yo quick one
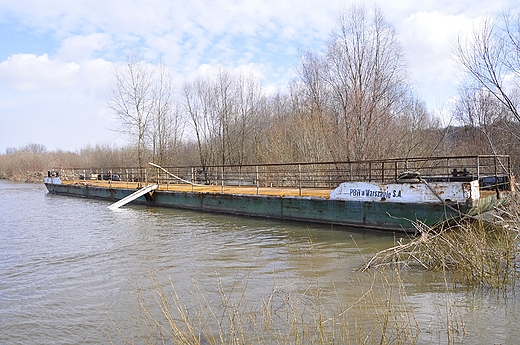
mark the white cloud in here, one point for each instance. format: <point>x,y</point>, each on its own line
<point>72,75</point>
<point>28,72</point>
<point>79,48</point>
<point>52,102</point>
<point>31,73</point>
<point>429,40</point>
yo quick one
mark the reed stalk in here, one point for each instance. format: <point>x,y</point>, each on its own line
<point>472,252</point>
<point>285,315</point>
<point>477,251</point>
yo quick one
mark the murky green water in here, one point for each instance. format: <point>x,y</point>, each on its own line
<point>67,262</point>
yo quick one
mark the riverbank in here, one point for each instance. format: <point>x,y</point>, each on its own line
<point>27,177</point>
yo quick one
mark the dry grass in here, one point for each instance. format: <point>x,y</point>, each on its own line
<point>285,315</point>
<point>477,252</point>
<point>471,252</point>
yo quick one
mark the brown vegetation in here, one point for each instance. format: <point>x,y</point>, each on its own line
<point>286,315</point>
<point>478,252</point>
<point>473,253</point>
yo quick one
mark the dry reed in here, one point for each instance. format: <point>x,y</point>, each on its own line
<point>286,315</point>
<point>473,252</point>
<point>477,251</point>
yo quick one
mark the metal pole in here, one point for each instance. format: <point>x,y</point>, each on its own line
<point>478,168</point>
<point>222,179</point>
<point>257,182</point>
<point>299,180</point>
<point>496,177</point>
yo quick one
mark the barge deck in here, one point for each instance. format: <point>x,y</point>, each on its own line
<point>391,194</point>
<point>239,190</point>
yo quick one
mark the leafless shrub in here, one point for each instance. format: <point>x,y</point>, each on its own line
<point>478,252</point>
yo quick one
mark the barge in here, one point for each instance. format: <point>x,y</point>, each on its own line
<point>391,194</point>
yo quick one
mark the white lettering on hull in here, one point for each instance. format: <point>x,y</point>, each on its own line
<point>418,192</point>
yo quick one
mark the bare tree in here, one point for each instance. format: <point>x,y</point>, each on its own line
<point>414,133</point>
<point>366,75</point>
<point>491,58</point>
<point>132,99</point>
<point>272,141</point>
<point>311,107</point>
<point>489,98</point>
<point>197,104</point>
<point>247,95</point>
<point>222,108</point>
<point>487,121</point>
<point>166,127</point>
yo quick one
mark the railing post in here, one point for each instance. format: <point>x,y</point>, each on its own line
<point>496,177</point>
<point>168,179</point>
<point>330,176</point>
<point>222,180</point>
<point>478,169</point>
<point>299,180</point>
<point>192,178</point>
<point>257,179</point>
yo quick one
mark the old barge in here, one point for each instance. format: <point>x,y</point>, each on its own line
<point>389,194</point>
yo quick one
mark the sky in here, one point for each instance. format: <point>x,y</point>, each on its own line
<point>57,56</point>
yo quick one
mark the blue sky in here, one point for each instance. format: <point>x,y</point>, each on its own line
<point>56,56</point>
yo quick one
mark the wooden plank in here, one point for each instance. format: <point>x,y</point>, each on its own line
<point>132,196</point>
<point>246,190</point>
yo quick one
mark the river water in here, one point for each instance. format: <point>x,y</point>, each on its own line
<point>72,272</point>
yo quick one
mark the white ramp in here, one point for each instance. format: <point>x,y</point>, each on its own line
<point>133,196</point>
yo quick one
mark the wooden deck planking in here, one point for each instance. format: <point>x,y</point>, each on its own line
<point>247,190</point>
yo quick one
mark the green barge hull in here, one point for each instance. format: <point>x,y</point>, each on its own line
<point>365,214</point>
<point>391,194</point>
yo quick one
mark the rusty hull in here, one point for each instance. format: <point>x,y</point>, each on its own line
<point>313,209</point>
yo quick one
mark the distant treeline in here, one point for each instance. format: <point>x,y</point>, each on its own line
<point>31,162</point>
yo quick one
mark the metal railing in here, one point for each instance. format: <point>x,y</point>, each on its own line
<point>493,171</point>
